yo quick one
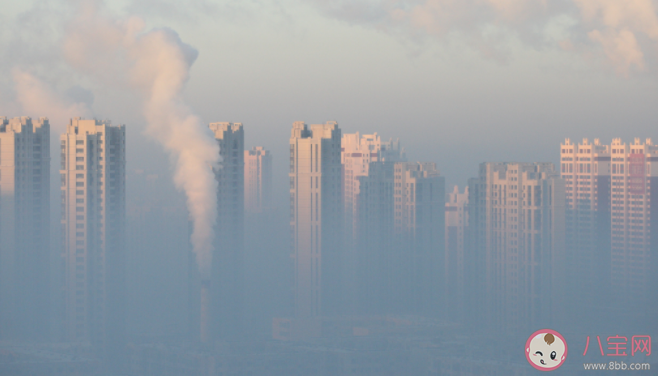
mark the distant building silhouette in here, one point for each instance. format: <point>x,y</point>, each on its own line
<point>374,246</point>
<point>358,152</point>
<point>516,259</point>
<point>24,228</point>
<point>419,230</point>
<point>93,219</point>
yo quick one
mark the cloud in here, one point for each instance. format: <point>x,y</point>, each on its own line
<point>624,32</point>
<point>621,47</point>
<point>623,29</point>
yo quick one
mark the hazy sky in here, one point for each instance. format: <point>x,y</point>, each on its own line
<point>459,82</point>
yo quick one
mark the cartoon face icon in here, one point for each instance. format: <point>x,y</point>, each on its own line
<point>546,350</point>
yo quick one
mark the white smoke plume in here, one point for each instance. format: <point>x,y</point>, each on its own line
<point>157,64</point>
<point>624,32</point>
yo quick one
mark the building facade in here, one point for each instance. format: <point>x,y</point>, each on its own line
<point>456,229</point>
<point>227,280</point>
<point>93,189</point>
<point>516,258</point>
<point>24,228</point>
<point>315,218</point>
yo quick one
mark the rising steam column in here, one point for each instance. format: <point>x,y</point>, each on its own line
<point>93,219</point>
<point>225,298</point>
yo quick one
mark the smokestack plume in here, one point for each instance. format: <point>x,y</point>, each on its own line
<point>156,64</point>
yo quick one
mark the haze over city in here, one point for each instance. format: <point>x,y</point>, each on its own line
<point>238,185</point>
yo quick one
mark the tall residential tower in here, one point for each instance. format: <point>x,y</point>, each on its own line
<point>585,168</point>
<point>24,228</point>
<point>516,259</point>
<point>93,217</point>
<point>358,154</point>
<point>315,218</point>
<point>227,281</point>
<point>456,231</point>
<point>634,251</point>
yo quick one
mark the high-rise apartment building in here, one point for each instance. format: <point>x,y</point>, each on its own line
<point>227,284</point>
<point>315,218</point>
<point>24,228</point>
<point>634,181</point>
<point>456,229</point>
<point>419,230</point>
<point>609,225</point>
<point>515,261</point>
<point>93,217</point>
<point>585,168</point>
<point>257,180</point>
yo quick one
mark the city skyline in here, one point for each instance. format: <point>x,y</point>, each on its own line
<point>536,90</point>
